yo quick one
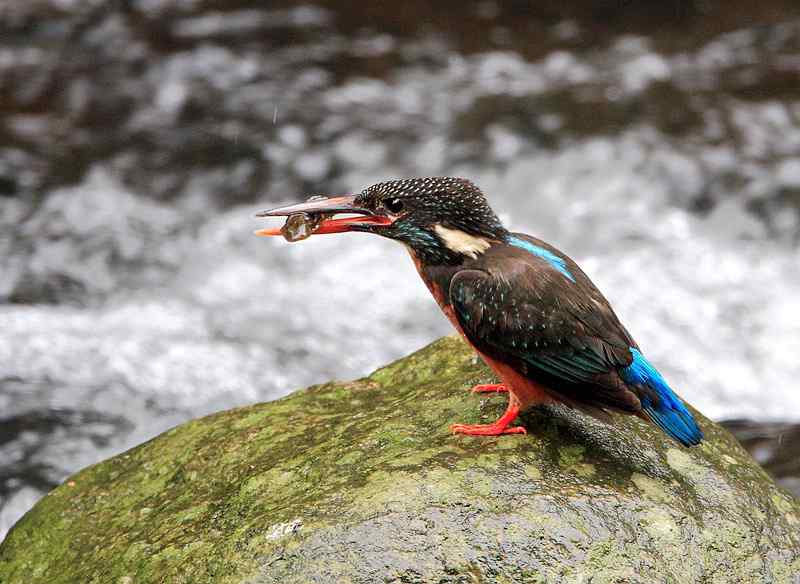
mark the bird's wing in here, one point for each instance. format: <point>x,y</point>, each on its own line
<point>558,331</point>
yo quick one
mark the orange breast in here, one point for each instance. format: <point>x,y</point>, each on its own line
<point>526,391</point>
<point>523,390</point>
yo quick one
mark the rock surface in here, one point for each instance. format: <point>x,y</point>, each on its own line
<point>361,482</point>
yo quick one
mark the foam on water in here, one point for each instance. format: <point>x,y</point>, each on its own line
<point>250,319</point>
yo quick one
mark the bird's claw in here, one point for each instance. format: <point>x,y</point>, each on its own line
<point>486,429</point>
<point>501,426</point>
<point>489,388</point>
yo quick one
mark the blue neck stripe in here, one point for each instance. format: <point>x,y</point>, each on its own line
<point>557,262</point>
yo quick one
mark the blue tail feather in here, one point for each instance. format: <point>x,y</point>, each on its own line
<point>669,413</point>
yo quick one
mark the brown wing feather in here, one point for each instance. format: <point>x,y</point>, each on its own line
<point>563,334</point>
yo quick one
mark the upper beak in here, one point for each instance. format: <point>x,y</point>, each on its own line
<point>329,206</point>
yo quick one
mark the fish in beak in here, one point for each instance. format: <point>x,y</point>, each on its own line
<point>315,216</point>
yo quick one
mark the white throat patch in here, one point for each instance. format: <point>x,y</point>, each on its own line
<point>461,242</point>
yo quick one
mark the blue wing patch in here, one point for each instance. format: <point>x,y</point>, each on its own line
<point>557,262</point>
<point>669,413</point>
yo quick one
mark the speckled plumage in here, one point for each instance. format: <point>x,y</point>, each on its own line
<point>527,309</point>
<point>525,305</point>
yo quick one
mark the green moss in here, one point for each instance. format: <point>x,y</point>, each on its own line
<point>785,572</point>
<point>652,489</point>
<point>362,482</point>
<point>569,456</point>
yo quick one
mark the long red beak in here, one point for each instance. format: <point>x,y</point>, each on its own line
<point>329,206</point>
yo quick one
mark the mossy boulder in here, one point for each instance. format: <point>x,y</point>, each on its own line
<point>361,482</point>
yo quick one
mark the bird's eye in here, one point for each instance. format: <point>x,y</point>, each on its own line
<point>393,205</point>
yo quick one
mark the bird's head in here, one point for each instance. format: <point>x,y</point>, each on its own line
<point>442,219</point>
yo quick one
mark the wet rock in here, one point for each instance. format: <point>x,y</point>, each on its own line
<point>362,482</point>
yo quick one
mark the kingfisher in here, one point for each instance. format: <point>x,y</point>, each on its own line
<point>525,307</point>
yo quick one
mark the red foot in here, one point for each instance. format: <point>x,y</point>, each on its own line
<point>496,429</point>
<point>489,388</point>
<point>485,430</point>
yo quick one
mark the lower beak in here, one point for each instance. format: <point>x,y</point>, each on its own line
<point>329,206</point>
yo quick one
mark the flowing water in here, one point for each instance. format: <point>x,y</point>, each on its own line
<point>657,143</point>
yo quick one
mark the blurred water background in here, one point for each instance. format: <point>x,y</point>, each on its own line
<point>657,142</point>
